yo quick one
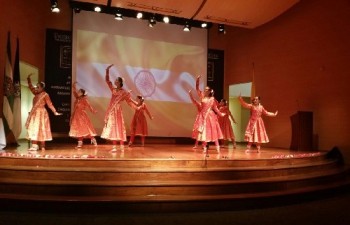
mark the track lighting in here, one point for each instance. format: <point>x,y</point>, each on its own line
<point>166,19</point>
<point>54,6</point>
<point>187,27</point>
<point>97,9</point>
<point>139,15</point>
<point>152,21</point>
<point>118,16</point>
<point>77,10</point>
<point>221,29</point>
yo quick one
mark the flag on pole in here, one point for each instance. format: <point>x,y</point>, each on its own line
<point>252,91</point>
<point>17,118</point>
<point>8,95</point>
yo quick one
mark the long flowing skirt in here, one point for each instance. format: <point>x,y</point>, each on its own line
<point>114,128</point>
<point>210,130</point>
<point>226,128</point>
<point>39,126</point>
<point>81,125</point>
<point>256,132</point>
<point>139,124</point>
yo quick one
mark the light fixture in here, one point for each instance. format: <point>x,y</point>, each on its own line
<point>152,21</point>
<point>118,16</point>
<point>77,10</point>
<point>97,9</point>
<point>139,15</point>
<point>187,27</point>
<point>204,25</point>
<point>54,6</point>
<point>166,19</point>
<point>221,29</point>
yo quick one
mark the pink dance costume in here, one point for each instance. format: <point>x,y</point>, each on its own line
<point>80,124</point>
<point>255,131</point>
<point>38,122</point>
<point>225,124</point>
<point>208,125</point>
<point>139,123</point>
<point>114,128</point>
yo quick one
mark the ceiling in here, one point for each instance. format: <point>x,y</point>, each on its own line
<point>242,13</point>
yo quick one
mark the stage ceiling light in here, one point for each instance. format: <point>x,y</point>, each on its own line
<point>166,19</point>
<point>97,9</point>
<point>54,6</point>
<point>77,10</point>
<point>221,29</point>
<point>118,16</point>
<point>204,25</point>
<point>187,27</point>
<point>139,15</point>
<point>152,21</point>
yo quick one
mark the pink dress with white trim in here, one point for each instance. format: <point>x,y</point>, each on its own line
<point>114,128</point>
<point>255,131</point>
<point>139,121</point>
<point>225,123</point>
<point>80,124</point>
<point>38,122</point>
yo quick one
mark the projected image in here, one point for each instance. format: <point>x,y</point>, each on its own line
<point>159,63</point>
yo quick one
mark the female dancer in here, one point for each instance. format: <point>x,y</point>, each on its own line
<point>209,128</point>
<point>114,128</point>
<point>255,131</point>
<point>139,122</point>
<point>195,126</point>
<point>38,122</point>
<point>80,124</point>
<point>225,123</point>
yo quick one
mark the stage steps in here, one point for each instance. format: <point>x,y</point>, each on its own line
<point>166,180</point>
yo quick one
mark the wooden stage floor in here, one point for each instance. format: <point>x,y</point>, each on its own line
<point>153,151</point>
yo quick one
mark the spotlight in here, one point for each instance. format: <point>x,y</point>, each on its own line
<point>139,15</point>
<point>118,16</point>
<point>152,21</point>
<point>204,25</point>
<point>222,29</point>
<point>97,9</point>
<point>77,10</point>
<point>166,19</point>
<point>54,6</point>
<point>187,27</point>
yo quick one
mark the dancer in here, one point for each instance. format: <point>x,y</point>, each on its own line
<point>209,128</point>
<point>114,128</point>
<point>195,126</point>
<point>255,131</point>
<point>80,124</point>
<point>225,123</point>
<point>38,122</point>
<point>139,122</point>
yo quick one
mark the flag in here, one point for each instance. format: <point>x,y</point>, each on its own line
<point>8,95</point>
<point>252,91</point>
<point>17,118</point>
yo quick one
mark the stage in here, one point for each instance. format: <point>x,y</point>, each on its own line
<point>163,176</point>
<point>153,150</point>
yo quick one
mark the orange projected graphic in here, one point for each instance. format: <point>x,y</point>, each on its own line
<point>161,64</point>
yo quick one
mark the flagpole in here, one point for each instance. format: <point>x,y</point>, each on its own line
<point>252,91</point>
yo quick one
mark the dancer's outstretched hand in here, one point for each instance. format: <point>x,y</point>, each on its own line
<point>276,113</point>
<point>58,114</point>
<point>109,66</point>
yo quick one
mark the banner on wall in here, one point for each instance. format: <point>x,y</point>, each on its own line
<point>58,76</point>
<point>215,72</point>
